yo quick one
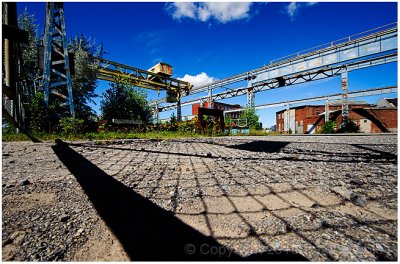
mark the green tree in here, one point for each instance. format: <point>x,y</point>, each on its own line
<point>328,128</point>
<point>349,127</point>
<point>84,81</point>
<point>250,114</point>
<point>38,118</point>
<point>122,101</point>
<point>173,118</point>
<point>26,21</point>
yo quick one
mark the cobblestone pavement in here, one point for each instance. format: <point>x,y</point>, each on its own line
<point>252,198</point>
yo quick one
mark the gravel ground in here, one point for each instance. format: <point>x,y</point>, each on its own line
<point>318,198</point>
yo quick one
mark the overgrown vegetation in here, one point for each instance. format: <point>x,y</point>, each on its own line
<point>120,101</point>
<point>40,119</point>
<point>349,127</point>
<point>328,128</point>
<point>123,101</point>
<point>84,81</point>
<point>27,22</point>
<point>37,116</point>
<point>250,114</point>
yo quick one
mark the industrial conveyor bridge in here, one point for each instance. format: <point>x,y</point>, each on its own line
<point>367,49</point>
<point>326,98</point>
<point>118,72</point>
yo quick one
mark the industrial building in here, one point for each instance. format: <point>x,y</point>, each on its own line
<point>219,106</point>
<point>307,119</point>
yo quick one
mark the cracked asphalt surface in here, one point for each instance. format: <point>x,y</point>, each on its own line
<point>317,198</point>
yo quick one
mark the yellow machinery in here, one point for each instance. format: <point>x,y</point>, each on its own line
<point>156,78</point>
<point>162,68</point>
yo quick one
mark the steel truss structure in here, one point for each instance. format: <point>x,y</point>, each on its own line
<point>318,74</point>
<point>56,73</point>
<point>345,96</point>
<point>121,73</point>
<point>367,49</point>
<point>327,98</point>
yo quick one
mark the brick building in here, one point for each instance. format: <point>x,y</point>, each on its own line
<point>307,119</point>
<point>220,106</point>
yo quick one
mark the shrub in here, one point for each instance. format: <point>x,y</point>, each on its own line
<point>328,128</point>
<point>71,125</point>
<point>349,127</point>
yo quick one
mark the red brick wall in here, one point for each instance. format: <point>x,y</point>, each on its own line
<point>195,108</point>
<point>279,120</point>
<point>389,116</point>
<point>308,114</point>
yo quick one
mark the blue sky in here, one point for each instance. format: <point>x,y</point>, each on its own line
<point>221,40</point>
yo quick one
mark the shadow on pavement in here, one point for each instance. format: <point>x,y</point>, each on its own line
<point>261,146</point>
<point>146,231</point>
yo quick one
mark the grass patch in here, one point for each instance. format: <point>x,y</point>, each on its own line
<point>107,135</point>
<point>103,136</point>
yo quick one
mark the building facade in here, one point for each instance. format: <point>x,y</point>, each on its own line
<point>220,106</point>
<point>308,119</point>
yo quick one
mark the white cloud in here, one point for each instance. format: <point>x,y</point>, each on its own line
<point>222,11</point>
<point>182,9</point>
<point>198,80</point>
<point>293,8</point>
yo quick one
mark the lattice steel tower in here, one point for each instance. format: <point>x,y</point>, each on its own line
<point>56,72</point>
<point>345,96</point>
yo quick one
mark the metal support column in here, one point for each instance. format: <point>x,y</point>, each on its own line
<point>56,74</point>
<point>250,94</point>
<point>345,96</point>
<point>210,101</point>
<point>178,110</point>
<point>288,118</point>
<point>326,109</point>
<point>156,114</point>
<point>250,98</point>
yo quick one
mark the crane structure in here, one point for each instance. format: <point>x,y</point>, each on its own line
<point>367,49</point>
<point>57,69</point>
<point>337,58</point>
<point>155,80</point>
